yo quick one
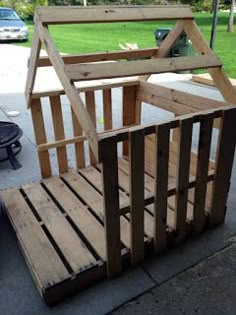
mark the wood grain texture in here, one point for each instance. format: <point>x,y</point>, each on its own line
<point>107,108</point>
<point>40,137</point>
<point>58,126</point>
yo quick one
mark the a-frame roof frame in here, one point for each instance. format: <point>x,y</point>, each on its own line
<point>67,74</point>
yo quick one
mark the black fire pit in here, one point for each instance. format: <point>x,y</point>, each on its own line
<point>10,134</point>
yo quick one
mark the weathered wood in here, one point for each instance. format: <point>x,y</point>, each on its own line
<point>59,228</point>
<point>91,107</point>
<point>98,14</point>
<point>44,262</point>
<point>73,95</point>
<point>206,79</point>
<point>204,147</point>
<point>40,137</point>
<point>101,56</point>
<point>32,67</point>
<point>161,186</point>
<point>107,109</point>
<point>224,162</point>
<point>80,72</point>
<point>108,156</point>
<point>130,111</point>
<point>79,146</point>
<point>58,126</point>
<point>182,178</point>
<point>136,157</point>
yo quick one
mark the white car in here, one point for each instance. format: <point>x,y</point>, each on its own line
<point>11,26</point>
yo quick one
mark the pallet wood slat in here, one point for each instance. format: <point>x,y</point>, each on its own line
<point>58,127</point>
<point>129,111</point>
<point>204,147</point>
<point>48,266</point>
<point>108,156</point>
<point>74,14</point>
<point>79,146</point>
<point>107,56</point>
<point>40,137</point>
<point>91,107</point>
<point>225,157</point>
<point>182,176</point>
<point>107,109</point>
<point>59,228</point>
<point>80,72</point>
<point>161,186</point>
<point>136,157</point>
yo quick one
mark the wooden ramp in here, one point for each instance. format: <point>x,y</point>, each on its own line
<point>59,226</point>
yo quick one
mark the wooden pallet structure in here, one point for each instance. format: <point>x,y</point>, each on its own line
<point>116,207</point>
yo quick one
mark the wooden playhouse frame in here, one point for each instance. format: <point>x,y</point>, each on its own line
<point>81,225</point>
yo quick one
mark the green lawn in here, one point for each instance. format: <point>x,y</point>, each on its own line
<point>104,37</point>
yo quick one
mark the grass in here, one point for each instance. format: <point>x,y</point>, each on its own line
<point>105,37</point>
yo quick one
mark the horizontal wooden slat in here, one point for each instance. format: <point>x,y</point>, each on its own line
<point>101,56</point>
<point>98,14</point>
<point>79,72</point>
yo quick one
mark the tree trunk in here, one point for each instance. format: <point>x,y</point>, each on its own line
<point>231,17</point>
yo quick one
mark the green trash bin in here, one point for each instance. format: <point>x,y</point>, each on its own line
<point>183,47</point>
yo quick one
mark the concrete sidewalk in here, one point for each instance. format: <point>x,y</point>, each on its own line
<point>172,281</point>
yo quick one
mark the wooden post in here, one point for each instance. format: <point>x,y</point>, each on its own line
<point>131,111</point>
<point>224,162</point>
<point>136,165</point>
<point>91,107</point>
<point>40,136</point>
<point>107,109</point>
<point>161,186</point>
<point>108,157</point>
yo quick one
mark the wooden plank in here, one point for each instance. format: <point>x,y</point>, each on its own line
<point>100,14</point>
<point>108,156</point>
<point>70,90</point>
<point>80,72</point>
<point>136,157</point>
<point>32,67</point>
<point>224,162</point>
<point>44,262</point>
<point>161,186</point>
<point>91,228</point>
<point>79,146</point>
<point>40,137</point>
<point>182,178</point>
<point>218,75</point>
<point>102,56</point>
<point>58,127</point>
<point>91,107</point>
<point>193,102</point>
<point>71,246</point>
<point>93,176</point>
<point>107,109</point>
<point>205,78</point>
<point>129,111</point>
<point>204,147</point>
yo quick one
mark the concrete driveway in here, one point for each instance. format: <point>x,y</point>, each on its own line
<point>18,294</point>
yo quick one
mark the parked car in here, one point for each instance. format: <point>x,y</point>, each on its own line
<point>11,26</point>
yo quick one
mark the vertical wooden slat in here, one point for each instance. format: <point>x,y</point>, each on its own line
<point>182,177</point>
<point>79,147</point>
<point>107,109</point>
<point>40,136</point>
<point>136,157</point>
<point>58,126</point>
<point>90,104</point>
<point>204,147</point>
<point>108,157</point>
<point>161,185</point>
<point>224,162</point>
<point>131,111</point>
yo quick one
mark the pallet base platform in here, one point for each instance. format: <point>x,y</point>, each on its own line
<point>59,225</point>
